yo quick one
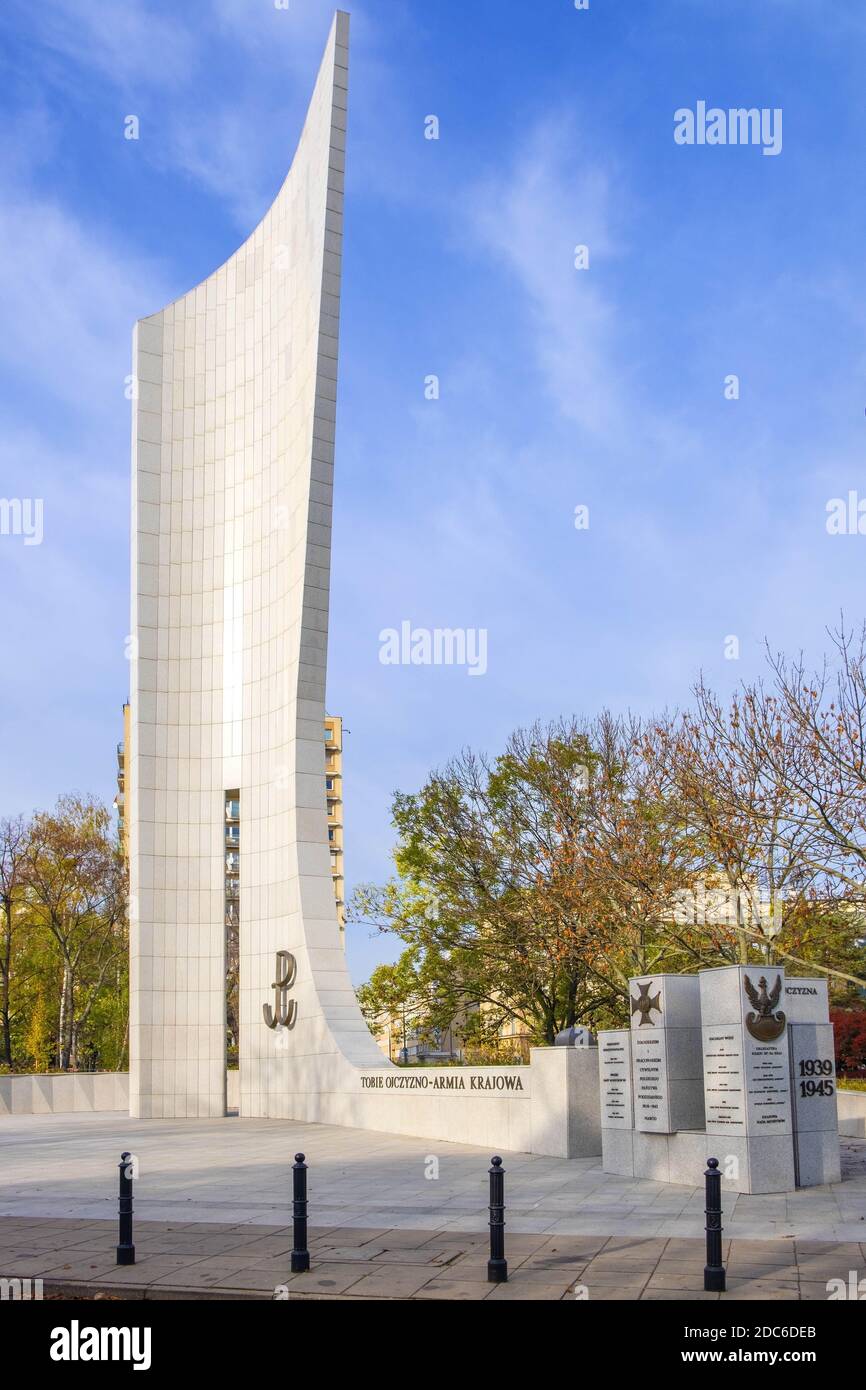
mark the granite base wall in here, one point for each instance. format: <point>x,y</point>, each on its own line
<point>555,1111</point>
<point>66,1094</point>
<point>852,1114</point>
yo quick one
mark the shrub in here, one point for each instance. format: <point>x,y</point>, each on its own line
<point>849,1026</point>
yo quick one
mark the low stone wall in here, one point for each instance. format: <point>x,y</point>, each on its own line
<point>64,1094</point>
<point>852,1114</point>
<point>550,1107</point>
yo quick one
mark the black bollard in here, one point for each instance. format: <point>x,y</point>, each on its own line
<point>300,1253</point>
<point>497,1265</point>
<point>126,1249</point>
<point>714,1270</point>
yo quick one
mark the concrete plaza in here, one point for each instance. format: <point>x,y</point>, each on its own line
<point>234,1172</point>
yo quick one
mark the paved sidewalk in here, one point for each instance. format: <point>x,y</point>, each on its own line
<point>203,1260</point>
<point>231,1172</point>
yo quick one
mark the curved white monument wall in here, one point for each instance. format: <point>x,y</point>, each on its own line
<point>233,453</point>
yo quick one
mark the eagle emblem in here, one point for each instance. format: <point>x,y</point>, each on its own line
<point>765,1024</point>
<point>645,1003</point>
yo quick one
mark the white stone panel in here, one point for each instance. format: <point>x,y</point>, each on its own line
<point>667,1076</point>
<point>614,1058</point>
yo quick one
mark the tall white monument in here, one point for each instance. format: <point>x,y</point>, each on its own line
<point>233,455</point>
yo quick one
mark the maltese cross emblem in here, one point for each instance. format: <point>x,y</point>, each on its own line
<point>645,1003</point>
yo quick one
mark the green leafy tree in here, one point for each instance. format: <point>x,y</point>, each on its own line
<point>492,893</point>
<point>14,839</point>
<point>40,1040</point>
<point>76,903</point>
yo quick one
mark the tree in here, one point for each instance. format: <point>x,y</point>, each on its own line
<point>14,839</point>
<point>771,787</point>
<point>638,862</point>
<point>822,717</point>
<point>394,998</point>
<point>76,890</point>
<point>476,895</point>
<point>40,1042</point>
<point>533,886</point>
<point>849,1027</point>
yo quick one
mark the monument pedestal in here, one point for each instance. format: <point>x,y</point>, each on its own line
<point>565,1109</point>
<point>746,1077</point>
<point>816,1122</point>
<point>667,1078</point>
<point>769,1109</point>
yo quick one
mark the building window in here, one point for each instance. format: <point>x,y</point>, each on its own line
<point>232,858</point>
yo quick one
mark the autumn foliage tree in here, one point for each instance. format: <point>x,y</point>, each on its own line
<point>533,886</point>
<point>849,1027</point>
<point>63,940</point>
<point>481,893</point>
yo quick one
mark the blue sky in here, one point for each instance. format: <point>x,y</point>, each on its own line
<point>559,387</point>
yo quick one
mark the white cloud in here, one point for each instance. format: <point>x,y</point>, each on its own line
<point>128,43</point>
<point>71,296</point>
<point>220,82</point>
<point>532,218</point>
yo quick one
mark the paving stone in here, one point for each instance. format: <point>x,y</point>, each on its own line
<point>685,1280</point>
<point>348,1253</point>
<point>453,1293</point>
<point>419,1256</point>
<point>524,1291</point>
<point>349,1235</point>
<point>393,1281</point>
<point>71,1270</point>
<point>566,1266</point>
<point>626,1293</point>
<point>257,1279</point>
<point>194,1277</point>
<point>143,1273</point>
<point>612,1278</point>
<point>325,1278</point>
<point>783,1274</point>
<point>642,1247</point>
<point>652,1294</point>
<point>775,1295</point>
<point>814,1291</point>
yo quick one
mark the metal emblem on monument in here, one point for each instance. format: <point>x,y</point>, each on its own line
<point>646,1003</point>
<point>285,1011</point>
<point>765,1024</point>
